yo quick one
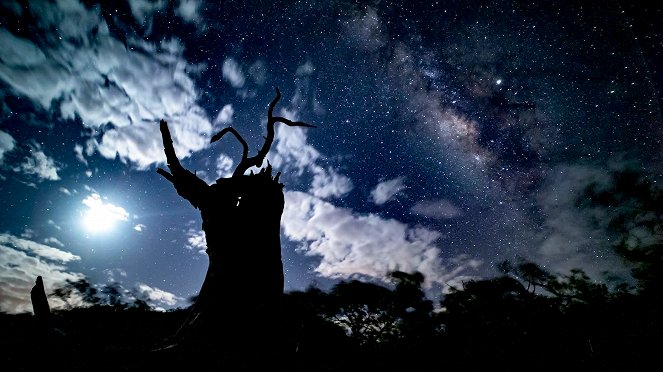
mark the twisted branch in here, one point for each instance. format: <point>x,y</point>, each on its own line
<point>257,160</point>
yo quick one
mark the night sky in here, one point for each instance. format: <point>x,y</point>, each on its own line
<point>451,135</point>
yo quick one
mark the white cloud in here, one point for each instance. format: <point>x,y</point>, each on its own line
<point>225,116</point>
<point>386,190</point>
<point>64,190</point>
<point>144,10</point>
<point>93,76</point>
<point>39,164</point>
<point>41,250</point>
<point>232,72</point>
<point>189,10</point>
<point>78,150</point>
<point>18,272</point>
<point>196,240</point>
<point>7,144</point>
<point>54,241</point>
<point>158,295</point>
<point>439,209</point>
<point>292,149</point>
<point>55,225</point>
<point>101,215</point>
<point>139,227</point>
<point>328,183</point>
<point>224,166</point>
<point>351,244</point>
<point>21,261</point>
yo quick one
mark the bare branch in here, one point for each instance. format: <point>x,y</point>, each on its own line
<point>245,149</point>
<point>257,160</point>
<point>166,175</point>
<point>269,139</point>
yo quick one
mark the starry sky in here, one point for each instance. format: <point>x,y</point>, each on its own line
<point>451,135</point>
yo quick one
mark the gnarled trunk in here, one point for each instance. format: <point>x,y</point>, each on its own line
<point>238,308</point>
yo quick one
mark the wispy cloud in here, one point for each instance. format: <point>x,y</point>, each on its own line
<point>41,250</point>
<point>439,209</point>
<point>232,73</point>
<point>386,190</point>
<point>7,144</point>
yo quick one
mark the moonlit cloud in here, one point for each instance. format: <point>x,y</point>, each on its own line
<point>232,73</point>
<point>196,240</point>
<point>328,183</point>
<point>21,261</point>
<point>158,295</point>
<point>144,10</point>
<point>92,76</point>
<point>351,244</point>
<point>225,116</point>
<point>41,250</point>
<point>386,190</point>
<point>189,10</point>
<point>573,237</point>
<point>54,241</point>
<point>7,144</point>
<point>102,215</point>
<point>438,209</point>
<point>224,166</point>
<point>38,164</point>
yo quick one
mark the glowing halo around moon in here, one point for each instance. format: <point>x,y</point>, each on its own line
<point>101,217</point>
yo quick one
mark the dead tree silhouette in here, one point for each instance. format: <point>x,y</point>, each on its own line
<point>238,303</point>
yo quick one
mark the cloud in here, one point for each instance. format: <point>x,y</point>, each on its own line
<point>224,166</point>
<point>144,10</point>
<point>292,150</point>
<point>572,237</point>
<point>64,190</point>
<point>189,10</point>
<point>21,261</point>
<point>328,183</point>
<point>78,150</point>
<point>386,190</point>
<point>225,116</point>
<point>158,295</point>
<point>196,240</point>
<point>41,250</point>
<point>54,241</point>
<point>101,215</point>
<point>86,73</point>
<point>7,144</point>
<point>438,209</point>
<point>139,227</point>
<point>38,164</point>
<point>232,72</point>
<point>351,244</point>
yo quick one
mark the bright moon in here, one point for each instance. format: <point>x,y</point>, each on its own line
<point>101,217</point>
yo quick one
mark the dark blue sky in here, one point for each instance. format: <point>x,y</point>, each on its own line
<point>450,135</point>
